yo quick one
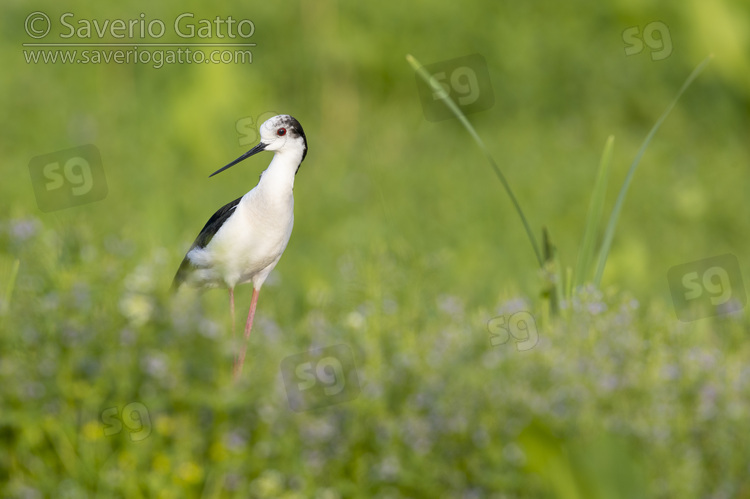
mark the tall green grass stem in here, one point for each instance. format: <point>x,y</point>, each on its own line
<point>609,232</point>
<point>427,77</point>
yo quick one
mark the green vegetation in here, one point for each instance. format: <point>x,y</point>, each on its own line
<point>406,249</point>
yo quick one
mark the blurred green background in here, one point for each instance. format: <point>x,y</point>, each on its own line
<point>404,247</point>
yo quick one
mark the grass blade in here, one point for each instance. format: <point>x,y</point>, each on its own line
<point>427,77</point>
<point>594,215</point>
<point>609,233</point>
<point>552,288</point>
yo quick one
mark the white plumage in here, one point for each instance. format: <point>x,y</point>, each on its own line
<point>250,243</point>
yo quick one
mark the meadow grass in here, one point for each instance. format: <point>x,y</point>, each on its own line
<point>404,250</point>
<point>618,401</point>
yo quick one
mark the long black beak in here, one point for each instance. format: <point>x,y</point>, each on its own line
<point>255,150</point>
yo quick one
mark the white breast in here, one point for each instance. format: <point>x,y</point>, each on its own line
<point>250,243</point>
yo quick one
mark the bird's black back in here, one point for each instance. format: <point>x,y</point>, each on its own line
<point>204,237</point>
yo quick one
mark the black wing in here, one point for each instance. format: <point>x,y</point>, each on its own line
<point>206,234</point>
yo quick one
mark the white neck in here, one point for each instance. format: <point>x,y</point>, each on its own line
<point>278,179</point>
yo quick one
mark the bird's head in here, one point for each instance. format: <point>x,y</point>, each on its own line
<point>280,134</point>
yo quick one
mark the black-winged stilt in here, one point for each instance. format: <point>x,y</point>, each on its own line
<point>244,240</point>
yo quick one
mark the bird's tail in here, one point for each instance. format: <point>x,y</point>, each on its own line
<point>181,276</point>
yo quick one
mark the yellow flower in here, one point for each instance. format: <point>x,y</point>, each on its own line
<point>218,452</point>
<point>190,472</point>
<point>161,463</point>
<point>92,431</point>
<point>164,425</point>
<point>269,484</point>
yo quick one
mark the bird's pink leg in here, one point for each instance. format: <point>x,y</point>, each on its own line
<point>231,313</point>
<point>248,328</point>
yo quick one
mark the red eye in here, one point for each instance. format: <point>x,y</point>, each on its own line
<point>281,132</point>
